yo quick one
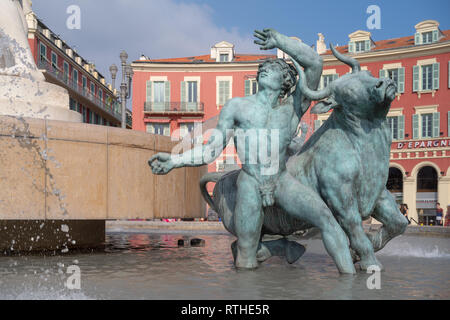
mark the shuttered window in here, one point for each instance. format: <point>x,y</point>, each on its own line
<point>397,75</point>
<point>224,92</point>
<point>426,77</point>
<point>251,87</point>
<point>397,125</point>
<point>426,125</point>
<point>393,123</point>
<point>158,128</point>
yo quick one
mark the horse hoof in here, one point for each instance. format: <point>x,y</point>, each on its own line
<point>294,251</point>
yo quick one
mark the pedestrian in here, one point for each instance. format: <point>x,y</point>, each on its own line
<point>439,214</point>
<point>404,211</point>
<point>447,217</point>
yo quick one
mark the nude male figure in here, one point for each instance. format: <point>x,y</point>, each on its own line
<point>268,114</point>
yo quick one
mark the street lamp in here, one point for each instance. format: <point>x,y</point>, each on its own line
<point>113,69</point>
<point>125,86</point>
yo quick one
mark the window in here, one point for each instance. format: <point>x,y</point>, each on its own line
<point>54,60</point>
<point>360,46</point>
<point>72,104</point>
<point>66,71</point>
<point>393,123</point>
<point>100,95</point>
<point>91,116</point>
<point>224,92</point>
<point>427,77</point>
<point>192,91</point>
<point>393,74</point>
<point>327,79</point>
<point>84,114</point>
<point>75,76</point>
<point>43,52</point>
<point>158,91</point>
<point>158,128</point>
<point>93,89</point>
<point>251,87</point>
<point>427,37</point>
<point>427,125</point>
<point>224,57</point>
<point>84,82</point>
<point>186,128</point>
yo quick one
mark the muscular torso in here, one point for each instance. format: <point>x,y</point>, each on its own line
<point>263,126</point>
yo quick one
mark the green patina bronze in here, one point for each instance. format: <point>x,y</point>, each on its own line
<point>333,182</point>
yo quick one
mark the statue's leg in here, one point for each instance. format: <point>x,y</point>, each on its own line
<point>248,220</point>
<point>305,204</point>
<point>350,220</point>
<point>394,223</point>
<point>283,247</point>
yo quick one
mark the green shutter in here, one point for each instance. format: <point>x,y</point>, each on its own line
<point>367,45</point>
<point>401,127</point>
<point>221,92</point>
<point>149,91</point>
<point>436,126</point>
<point>416,70</point>
<point>351,47</point>
<point>435,76</point>
<point>435,35</point>
<point>316,125</point>
<point>448,123</point>
<point>167,91</point>
<point>320,83</point>
<point>448,75</point>
<point>227,91</point>
<point>166,130</point>
<point>149,128</point>
<point>183,93</point>
<point>415,118</point>
<point>401,80</point>
<point>383,73</point>
<point>247,87</point>
<point>417,38</point>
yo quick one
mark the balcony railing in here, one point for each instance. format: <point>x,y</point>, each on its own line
<point>113,109</point>
<point>177,106</point>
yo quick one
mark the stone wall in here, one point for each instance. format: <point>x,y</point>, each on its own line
<point>70,171</point>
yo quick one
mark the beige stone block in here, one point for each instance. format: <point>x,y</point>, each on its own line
<point>195,206</point>
<point>131,138</point>
<point>22,127</point>
<point>63,130</point>
<point>22,178</point>
<point>170,194</point>
<point>76,180</point>
<point>164,144</point>
<point>130,183</point>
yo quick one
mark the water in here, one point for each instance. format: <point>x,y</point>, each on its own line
<point>151,266</point>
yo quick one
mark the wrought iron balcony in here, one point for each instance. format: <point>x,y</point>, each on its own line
<point>112,108</point>
<point>174,107</point>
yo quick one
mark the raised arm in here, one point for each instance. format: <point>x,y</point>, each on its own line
<point>303,54</point>
<point>163,163</point>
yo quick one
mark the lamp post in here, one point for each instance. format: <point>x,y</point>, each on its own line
<point>125,86</point>
<point>113,69</point>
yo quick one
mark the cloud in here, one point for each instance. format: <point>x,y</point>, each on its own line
<point>156,28</point>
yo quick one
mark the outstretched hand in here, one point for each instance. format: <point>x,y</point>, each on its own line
<point>267,39</point>
<point>161,163</point>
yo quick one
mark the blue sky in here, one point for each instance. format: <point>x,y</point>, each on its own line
<point>176,28</point>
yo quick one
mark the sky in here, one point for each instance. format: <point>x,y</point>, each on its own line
<point>180,28</point>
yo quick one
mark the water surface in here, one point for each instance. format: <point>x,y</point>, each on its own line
<point>152,266</point>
